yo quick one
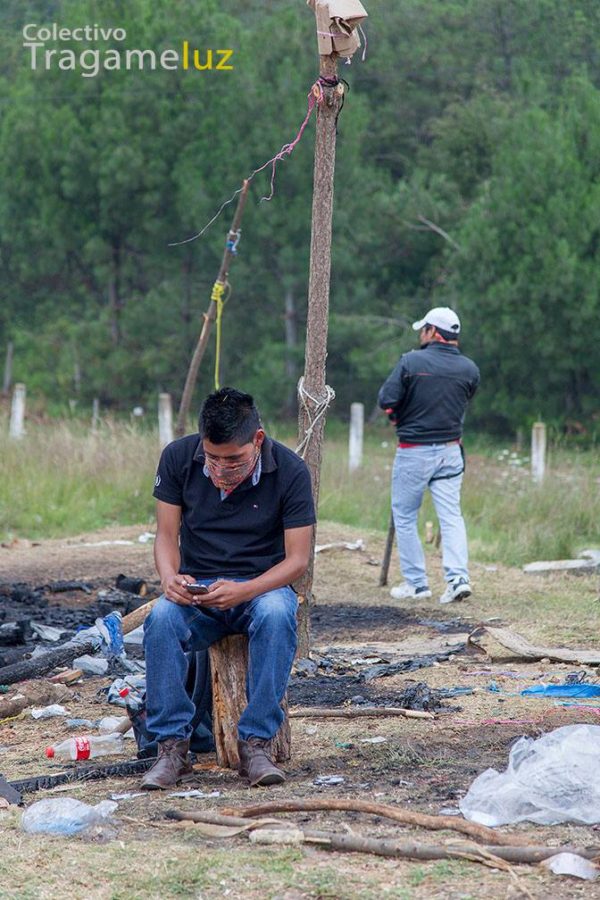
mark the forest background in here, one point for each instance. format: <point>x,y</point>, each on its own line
<point>468,174</point>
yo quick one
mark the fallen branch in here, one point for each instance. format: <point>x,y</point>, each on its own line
<point>405,816</point>
<point>353,843</point>
<point>45,662</point>
<point>380,712</point>
<point>58,587</point>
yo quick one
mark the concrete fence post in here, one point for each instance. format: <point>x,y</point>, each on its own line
<point>355,447</point>
<point>538,452</point>
<point>95,414</point>
<point>17,412</point>
<point>165,419</point>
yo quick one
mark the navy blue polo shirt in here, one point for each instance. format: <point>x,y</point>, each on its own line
<point>241,535</point>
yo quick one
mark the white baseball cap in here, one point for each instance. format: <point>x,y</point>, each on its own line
<point>442,317</point>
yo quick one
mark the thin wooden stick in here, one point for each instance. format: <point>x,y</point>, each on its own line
<point>387,555</point>
<point>405,816</point>
<point>378,712</point>
<point>353,843</point>
<point>211,314</point>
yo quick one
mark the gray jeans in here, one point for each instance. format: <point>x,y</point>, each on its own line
<point>438,467</point>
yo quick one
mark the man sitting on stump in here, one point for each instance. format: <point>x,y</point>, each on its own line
<point>235,513</point>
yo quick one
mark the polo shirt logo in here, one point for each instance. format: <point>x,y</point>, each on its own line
<point>157,481</point>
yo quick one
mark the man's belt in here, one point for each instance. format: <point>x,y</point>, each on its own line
<point>404,446</point>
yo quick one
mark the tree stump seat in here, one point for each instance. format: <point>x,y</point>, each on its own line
<point>229,669</point>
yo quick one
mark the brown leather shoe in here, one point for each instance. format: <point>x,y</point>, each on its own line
<point>256,764</point>
<point>172,764</point>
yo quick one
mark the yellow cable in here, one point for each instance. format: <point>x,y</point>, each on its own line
<point>217,296</point>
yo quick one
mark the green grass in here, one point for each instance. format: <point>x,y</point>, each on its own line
<point>61,479</point>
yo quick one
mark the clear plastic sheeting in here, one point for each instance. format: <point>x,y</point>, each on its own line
<point>65,816</point>
<point>549,780</point>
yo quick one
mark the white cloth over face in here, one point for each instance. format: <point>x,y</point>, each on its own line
<point>337,21</point>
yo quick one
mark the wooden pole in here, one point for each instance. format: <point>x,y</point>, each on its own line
<point>211,314</point>
<point>314,395</point>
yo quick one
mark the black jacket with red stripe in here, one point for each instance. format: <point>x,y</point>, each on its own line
<point>428,393</point>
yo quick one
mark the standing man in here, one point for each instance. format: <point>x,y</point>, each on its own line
<point>426,397</point>
<point>234,512</point>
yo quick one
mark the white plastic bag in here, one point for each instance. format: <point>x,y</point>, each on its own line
<point>549,780</point>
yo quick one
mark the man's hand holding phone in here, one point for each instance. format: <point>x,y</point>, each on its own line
<point>198,591</point>
<point>178,589</point>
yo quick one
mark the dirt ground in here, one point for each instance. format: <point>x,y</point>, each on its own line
<point>425,765</point>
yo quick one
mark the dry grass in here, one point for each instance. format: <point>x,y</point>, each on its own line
<point>62,480</point>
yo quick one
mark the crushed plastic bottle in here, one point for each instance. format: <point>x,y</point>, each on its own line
<point>86,747</point>
<point>549,780</point>
<point>65,815</point>
<point>48,712</point>
<point>112,724</point>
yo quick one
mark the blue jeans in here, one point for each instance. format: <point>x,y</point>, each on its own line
<point>170,630</point>
<point>415,469</point>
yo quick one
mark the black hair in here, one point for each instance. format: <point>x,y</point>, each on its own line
<point>447,335</point>
<point>229,416</point>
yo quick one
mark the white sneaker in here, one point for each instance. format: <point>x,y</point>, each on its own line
<point>456,590</point>
<point>406,591</point>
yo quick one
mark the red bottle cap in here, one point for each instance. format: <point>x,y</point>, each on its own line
<point>123,692</point>
<point>50,752</point>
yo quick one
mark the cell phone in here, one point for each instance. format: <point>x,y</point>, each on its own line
<point>197,589</point>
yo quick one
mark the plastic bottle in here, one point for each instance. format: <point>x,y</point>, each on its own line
<point>65,815</point>
<point>133,703</point>
<point>112,724</point>
<point>86,747</point>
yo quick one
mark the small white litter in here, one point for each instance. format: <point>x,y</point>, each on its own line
<point>49,712</point>
<point>572,864</point>
<point>91,665</point>
<point>47,632</point>
<point>328,780</point>
<point>195,795</point>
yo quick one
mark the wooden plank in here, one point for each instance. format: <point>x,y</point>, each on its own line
<point>522,648</point>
